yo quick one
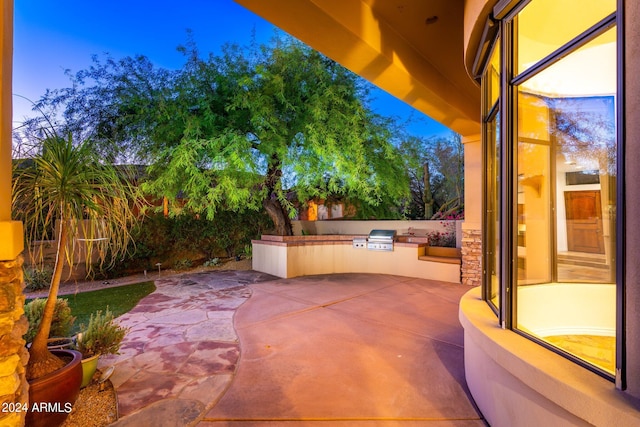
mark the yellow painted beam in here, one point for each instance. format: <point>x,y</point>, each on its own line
<point>11,240</point>
<point>11,232</point>
<point>6,114</point>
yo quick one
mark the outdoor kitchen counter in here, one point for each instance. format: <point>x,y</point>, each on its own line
<point>338,239</point>
<point>294,256</point>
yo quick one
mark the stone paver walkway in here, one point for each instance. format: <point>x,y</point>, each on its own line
<point>182,350</point>
<point>331,350</point>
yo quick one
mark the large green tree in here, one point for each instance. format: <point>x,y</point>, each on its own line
<point>247,129</point>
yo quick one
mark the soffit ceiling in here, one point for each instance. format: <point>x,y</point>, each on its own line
<point>391,44</point>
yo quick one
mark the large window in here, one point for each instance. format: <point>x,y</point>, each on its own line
<point>556,205</point>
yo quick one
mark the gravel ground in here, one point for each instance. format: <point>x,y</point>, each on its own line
<point>97,406</point>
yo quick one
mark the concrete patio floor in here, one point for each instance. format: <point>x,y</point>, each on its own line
<point>339,350</point>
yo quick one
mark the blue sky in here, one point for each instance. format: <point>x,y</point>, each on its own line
<point>51,36</point>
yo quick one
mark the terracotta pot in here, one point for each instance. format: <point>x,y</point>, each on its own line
<point>89,366</point>
<point>52,396</point>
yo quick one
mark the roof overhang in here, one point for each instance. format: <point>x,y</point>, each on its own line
<point>413,49</point>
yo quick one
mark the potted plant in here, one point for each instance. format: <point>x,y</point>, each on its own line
<point>67,190</point>
<point>102,336</point>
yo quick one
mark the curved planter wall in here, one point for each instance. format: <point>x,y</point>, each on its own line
<point>516,382</point>
<point>297,256</point>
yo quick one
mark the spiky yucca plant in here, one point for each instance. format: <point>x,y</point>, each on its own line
<point>69,189</point>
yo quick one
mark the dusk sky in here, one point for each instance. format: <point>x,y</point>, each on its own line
<point>51,36</point>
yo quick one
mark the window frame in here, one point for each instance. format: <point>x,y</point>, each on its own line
<point>504,14</point>
<point>491,114</point>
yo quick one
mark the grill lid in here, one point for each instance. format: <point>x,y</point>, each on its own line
<point>382,235</point>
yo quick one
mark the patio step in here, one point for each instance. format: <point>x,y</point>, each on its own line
<point>441,259</point>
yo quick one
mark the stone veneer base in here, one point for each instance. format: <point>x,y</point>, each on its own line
<point>471,257</point>
<point>14,389</point>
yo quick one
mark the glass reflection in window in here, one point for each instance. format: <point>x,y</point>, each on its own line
<point>566,203</point>
<point>545,25</point>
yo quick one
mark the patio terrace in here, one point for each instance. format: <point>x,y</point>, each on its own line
<point>348,349</point>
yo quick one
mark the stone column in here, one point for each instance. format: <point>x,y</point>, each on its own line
<point>13,354</point>
<point>472,226</point>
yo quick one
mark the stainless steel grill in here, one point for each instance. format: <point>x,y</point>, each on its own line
<point>381,240</point>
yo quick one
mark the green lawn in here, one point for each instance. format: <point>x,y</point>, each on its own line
<point>119,299</point>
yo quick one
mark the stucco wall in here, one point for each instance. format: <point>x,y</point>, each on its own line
<point>288,260</point>
<point>516,382</point>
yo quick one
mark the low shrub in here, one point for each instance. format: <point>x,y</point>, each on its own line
<point>37,278</point>
<point>171,240</point>
<point>212,262</point>
<point>248,251</point>
<point>445,238</point>
<point>62,318</point>
<point>182,264</point>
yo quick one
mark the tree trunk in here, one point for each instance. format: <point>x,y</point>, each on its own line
<point>427,197</point>
<point>41,361</point>
<point>279,217</point>
<point>271,204</point>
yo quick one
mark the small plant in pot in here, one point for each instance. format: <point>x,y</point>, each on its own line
<point>102,336</point>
